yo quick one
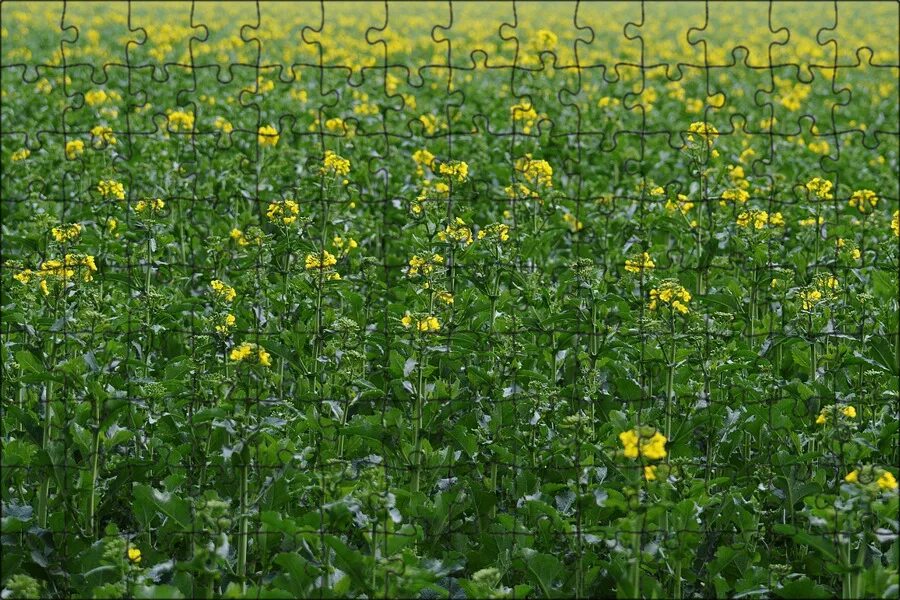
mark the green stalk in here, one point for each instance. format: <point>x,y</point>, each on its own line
<point>676,591</point>
<point>243,525</point>
<point>417,426</point>
<point>44,489</point>
<point>95,472</point>
<point>636,566</point>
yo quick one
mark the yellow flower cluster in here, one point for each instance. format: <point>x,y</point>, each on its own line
<point>223,290</point>
<point>181,121</point>
<point>704,131</point>
<point>820,188</point>
<point>323,262</point>
<point>826,413</point>
<point>20,154</point>
<point>822,286</point>
<point>247,351</point>
<point>422,158</point>
<point>223,125</point>
<point>885,481</point>
<point>574,224</point>
<point>345,245</point>
<point>737,177</point>
<point>759,219</point>
<point>110,188</point>
<point>60,270</point>
<point>895,223</point>
<point>644,442</point>
<point>535,171</point>
<point>102,136</point>
<point>497,231</point>
<point>423,266</point>
<point>282,211</point>
<point>639,262</point>
<point>524,113</point>
<point>267,136</point>
<point>227,323</point>
<point>456,170</point>
<point>456,233</point>
<point>134,555</point>
<point>335,164</point>
<point>681,204</point>
<point>427,324</point>
<point>863,200</point>
<point>67,232</point>
<point>253,236</point>
<point>672,294</point>
<point>734,195</point>
<point>152,207</point>
<point>74,149</point>
<point>811,221</point>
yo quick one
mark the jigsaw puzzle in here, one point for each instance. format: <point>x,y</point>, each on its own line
<point>450,299</point>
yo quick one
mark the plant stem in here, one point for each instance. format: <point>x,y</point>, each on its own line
<point>244,521</point>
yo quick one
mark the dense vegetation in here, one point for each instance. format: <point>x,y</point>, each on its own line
<point>432,300</point>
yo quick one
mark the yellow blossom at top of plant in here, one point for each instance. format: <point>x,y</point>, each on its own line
<point>223,125</point>
<point>181,121</point>
<point>639,262</point>
<point>335,164</point>
<point>457,232</point>
<point>226,324</point>
<point>151,207</point>
<point>267,136</point>
<point>866,476</point>
<point>345,245</point>
<point>847,411</point>
<point>704,131</point>
<point>895,223</point>
<point>456,170</point>
<point>544,39</point>
<point>67,232</point>
<point>759,219</point>
<point>64,270</point>
<point>887,481</point>
<point>734,195</point>
<point>322,262</point>
<point>821,188</point>
<point>496,231</point>
<point>283,211</point>
<point>423,266</point>
<point>134,555</point>
<point>426,324</point>
<point>223,290</point>
<point>20,154</point>
<point>74,149</point>
<point>110,188</point>
<point>644,442</point>
<point>102,136</point>
<point>525,113</point>
<point>422,158</point>
<point>248,352</point>
<point>535,171</point>
<point>863,200</point>
<point>574,224</point>
<point>670,293</point>
<point>681,204</point>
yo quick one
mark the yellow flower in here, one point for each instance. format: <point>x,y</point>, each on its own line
<point>406,321</point>
<point>887,481</point>
<point>498,231</point>
<point>223,290</point>
<point>545,40</point>
<point>322,261</point>
<point>639,262</point>
<point>445,297</point>
<point>20,154</point>
<point>526,114</point>
<point>152,206</point>
<point>247,350</point>
<point>94,97</point>
<point>181,121</point>
<point>423,266</point>
<point>735,195</point>
<point>821,188</point>
<point>109,188</point>
<point>74,149</point>
<point>895,223</point>
<point>574,224</point>
<point>284,211</point>
<point>422,158</point>
<point>849,412</point>
<point>226,324</point>
<point>67,232</point>
<point>535,172</point>
<point>267,136</point>
<point>456,233</point>
<point>683,204</point>
<point>852,476</point>
<point>647,442</point>
<point>24,276</point>
<point>821,419</point>
<point>704,131</point>
<point>335,164</point>
<point>671,293</point>
<point>457,170</point>
<point>103,136</point>
<point>134,555</point>
<point>863,200</point>
<point>223,125</point>
<point>650,472</point>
